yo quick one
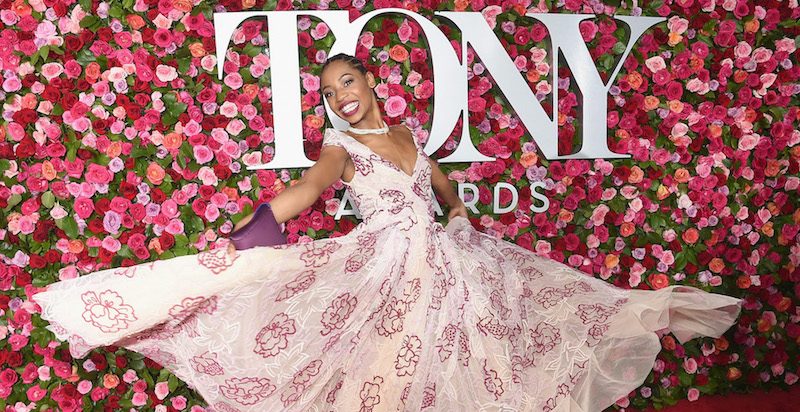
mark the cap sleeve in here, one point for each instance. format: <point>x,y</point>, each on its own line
<point>333,137</point>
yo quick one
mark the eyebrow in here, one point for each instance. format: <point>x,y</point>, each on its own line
<point>340,78</point>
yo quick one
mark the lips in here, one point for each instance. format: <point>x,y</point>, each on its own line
<point>349,108</point>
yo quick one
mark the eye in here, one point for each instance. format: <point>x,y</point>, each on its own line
<point>328,94</point>
<point>347,82</point>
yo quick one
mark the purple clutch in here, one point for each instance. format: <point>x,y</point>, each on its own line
<point>262,230</point>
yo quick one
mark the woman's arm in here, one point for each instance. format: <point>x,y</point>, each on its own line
<point>294,199</point>
<point>442,187</point>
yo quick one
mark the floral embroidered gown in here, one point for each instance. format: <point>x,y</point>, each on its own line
<point>400,314</point>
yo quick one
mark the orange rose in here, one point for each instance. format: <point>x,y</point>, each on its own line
<point>715,130</point>
<point>135,21</point>
<point>155,244</point>
<point>674,38</point>
<point>313,121</point>
<point>636,175</point>
<point>21,8</point>
<point>763,325</point>
<point>48,170</point>
<point>114,149</point>
<point>155,173</point>
<point>668,343</point>
<point>716,265</point>
<point>533,76</point>
<point>773,167</point>
<point>743,282</point>
<point>251,90</point>
<point>93,70</point>
<point>29,101</point>
<point>528,159</point>
<point>231,192</point>
<point>172,140</point>
<point>612,260</point>
<point>627,229</point>
<point>635,80</point>
<point>734,373</point>
<point>75,246</point>
<point>110,381</point>
<point>682,175</point>
<point>658,281</point>
<point>651,103</point>
<point>461,5</point>
<point>784,304</point>
<point>739,75</point>
<point>186,5</point>
<point>565,215</point>
<point>398,53</point>
<point>721,343</point>
<point>751,26</point>
<point>675,106</point>
<point>767,229</point>
<point>197,50</point>
<point>663,192</point>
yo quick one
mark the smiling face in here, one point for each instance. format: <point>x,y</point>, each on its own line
<point>349,93</point>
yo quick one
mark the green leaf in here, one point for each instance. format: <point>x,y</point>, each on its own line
<point>89,20</point>
<point>173,383</point>
<point>69,226</point>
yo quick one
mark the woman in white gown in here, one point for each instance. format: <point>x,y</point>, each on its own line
<point>400,314</point>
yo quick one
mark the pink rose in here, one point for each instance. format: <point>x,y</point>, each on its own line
<point>395,106</point>
<point>52,70</point>
<point>693,394</point>
<point>202,154</point>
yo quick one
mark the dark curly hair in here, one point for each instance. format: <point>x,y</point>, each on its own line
<point>350,60</point>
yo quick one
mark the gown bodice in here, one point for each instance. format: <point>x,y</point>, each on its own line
<point>382,192</point>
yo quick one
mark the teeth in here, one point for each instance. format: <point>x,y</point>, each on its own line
<point>350,107</point>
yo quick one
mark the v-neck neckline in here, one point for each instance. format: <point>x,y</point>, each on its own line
<point>396,167</point>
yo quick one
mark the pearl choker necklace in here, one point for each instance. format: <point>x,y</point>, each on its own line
<point>381,130</point>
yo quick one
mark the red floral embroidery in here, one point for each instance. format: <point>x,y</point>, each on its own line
<point>362,166</point>
<point>545,337</point>
<point>370,394</point>
<point>224,407</point>
<point>207,364</point>
<point>299,284</point>
<point>300,382</point>
<point>337,313</point>
<point>452,335</point>
<point>107,311</point>
<point>492,326</point>
<point>216,260</point>
<point>408,356</point>
<point>331,398</point>
<point>596,313</point>
<point>363,254</point>
<point>248,390</point>
<point>429,396</point>
<point>318,254</point>
<point>549,296</point>
<point>273,337</point>
<point>491,381</point>
<point>128,271</point>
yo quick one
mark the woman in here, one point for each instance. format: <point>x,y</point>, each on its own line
<point>400,314</point>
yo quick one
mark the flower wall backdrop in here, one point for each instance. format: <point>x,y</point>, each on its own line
<point>119,146</point>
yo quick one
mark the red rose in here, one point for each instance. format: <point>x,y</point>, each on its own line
<point>158,195</point>
<point>167,241</point>
<point>380,39</point>
<point>36,261</point>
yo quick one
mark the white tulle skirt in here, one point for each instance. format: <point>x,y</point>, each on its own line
<point>390,317</point>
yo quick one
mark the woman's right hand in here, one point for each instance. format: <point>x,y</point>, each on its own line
<point>244,221</point>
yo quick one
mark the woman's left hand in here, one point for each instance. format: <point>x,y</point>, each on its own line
<point>457,211</point>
